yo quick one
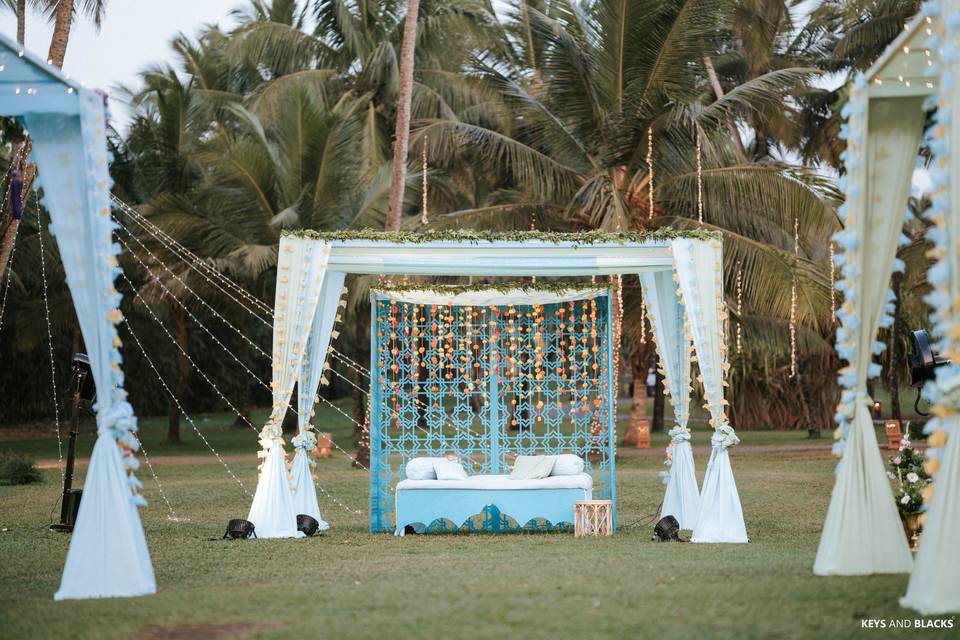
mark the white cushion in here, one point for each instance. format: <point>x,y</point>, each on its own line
<point>449,469</point>
<point>532,467</point>
<point>567,464</point>
<point>421,469</point>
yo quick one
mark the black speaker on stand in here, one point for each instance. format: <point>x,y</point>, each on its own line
<point>84,391</point>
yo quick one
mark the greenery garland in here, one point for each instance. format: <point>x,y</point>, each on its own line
<point>463,235</point>
<point>558,288</point>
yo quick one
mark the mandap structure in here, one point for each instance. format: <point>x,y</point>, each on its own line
<point>67,127</point>
<point>889,111</point>
<point>681,273</point>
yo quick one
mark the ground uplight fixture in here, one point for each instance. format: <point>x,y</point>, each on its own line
<point>307,524</point>
<point>667,529</point>
<point>240,529</point>
<point>923,361</point>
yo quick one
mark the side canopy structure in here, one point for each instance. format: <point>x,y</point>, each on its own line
<point>862,533</point>
<point>67,125</point>
<point>934,586</point>
<point>697,256</point>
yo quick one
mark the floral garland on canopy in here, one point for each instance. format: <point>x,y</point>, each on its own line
<point>462,235</point>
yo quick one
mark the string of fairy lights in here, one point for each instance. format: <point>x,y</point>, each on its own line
<point>53,367</point>
<point>260,381</point>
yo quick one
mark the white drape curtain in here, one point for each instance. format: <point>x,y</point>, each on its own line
<point>108,554</point>
<point>699,268</point>
<point>318,342</point>
<point>934,586</point>
<point>300,267</point>
<point>665,311</point>
<point>862,533</point>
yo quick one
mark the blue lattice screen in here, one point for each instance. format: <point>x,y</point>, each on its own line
<point>487,383</point>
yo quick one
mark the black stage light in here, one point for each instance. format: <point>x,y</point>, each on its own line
<point>307,524</point>
<point>667,529</point>
<point>923,361</point>
<point>240,529</point>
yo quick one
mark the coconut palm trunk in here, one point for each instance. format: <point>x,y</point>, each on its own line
<point>402,135</point>
<point>21,20</point>
<point>62,21</point>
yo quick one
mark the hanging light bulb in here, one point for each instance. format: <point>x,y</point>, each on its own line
<point>793,299</point>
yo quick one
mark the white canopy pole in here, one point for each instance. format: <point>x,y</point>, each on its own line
<point>862,533</point>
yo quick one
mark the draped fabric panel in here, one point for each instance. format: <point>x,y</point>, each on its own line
<point>300,269</point>
<point>862,533</point>
<point>665,310</point>
<point>699,268</point>
<point>934,586</point>
<point>108,554</point>
<point>318,343</point>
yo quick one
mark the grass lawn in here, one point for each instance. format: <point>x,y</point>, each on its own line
<point>350,583</point>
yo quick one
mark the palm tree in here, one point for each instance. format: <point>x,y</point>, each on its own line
<point>610,75</point>
<point>402,134</point>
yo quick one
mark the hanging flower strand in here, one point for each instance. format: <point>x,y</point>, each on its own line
<point>423,205</point>
<point>650,168</point>
<point>699,178</point>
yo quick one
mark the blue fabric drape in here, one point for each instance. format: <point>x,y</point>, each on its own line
<point>682,497</point>
<point>318,346</point>
<point>108,554</point>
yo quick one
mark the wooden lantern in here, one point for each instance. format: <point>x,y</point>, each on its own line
<point>592,518</point>
<point>324,444</point>
<point>643,434</point>
<point>638,431</point>
<point>894,435</point>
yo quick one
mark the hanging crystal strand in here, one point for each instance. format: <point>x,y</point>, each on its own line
<point>793,299</point>
<point>739,305</point>
<point>699,178</point>
<point>650,169</point>
<point>423,205</point>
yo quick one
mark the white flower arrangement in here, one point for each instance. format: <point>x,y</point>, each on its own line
<point>306,440</point>
<point>724,437</point>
